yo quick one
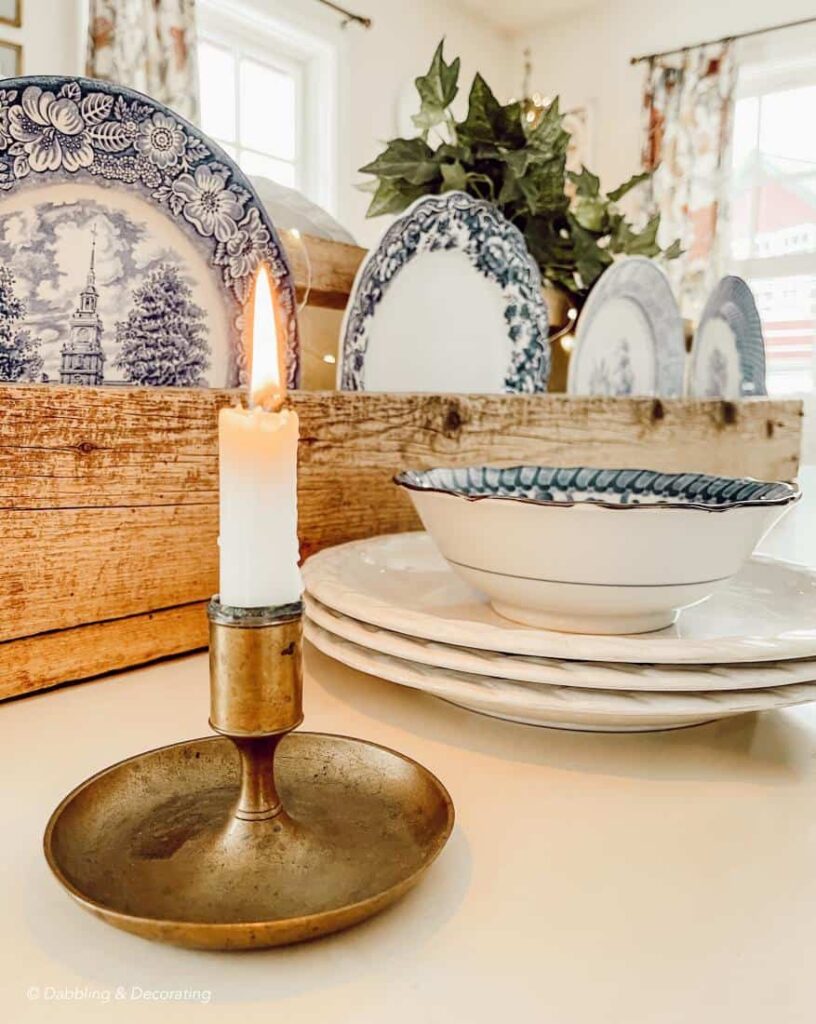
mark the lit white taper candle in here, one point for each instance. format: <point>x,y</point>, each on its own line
<point>258,477</point>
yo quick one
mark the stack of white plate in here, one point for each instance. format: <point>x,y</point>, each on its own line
<point>391,606</point>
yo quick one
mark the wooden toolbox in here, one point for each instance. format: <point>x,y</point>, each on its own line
<point>109,496</point>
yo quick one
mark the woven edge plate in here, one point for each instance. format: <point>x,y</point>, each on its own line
<point>555,672</point>
<point>408,569</point>
<point>560,707</point>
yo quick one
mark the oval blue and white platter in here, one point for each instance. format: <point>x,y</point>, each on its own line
<point>728,353</point>
<point>449,300</point>
<point>629,336</point>
<point>128,243</point>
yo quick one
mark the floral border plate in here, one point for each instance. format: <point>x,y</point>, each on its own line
<point>118,142</point>
<point>497,253</point>
<point>632,349</point>
<point>728,353</point>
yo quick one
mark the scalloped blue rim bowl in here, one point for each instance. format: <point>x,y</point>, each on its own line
<point>548,547</point>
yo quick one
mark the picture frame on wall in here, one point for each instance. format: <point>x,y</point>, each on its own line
<point>11,12</point>
<point>11,59</point>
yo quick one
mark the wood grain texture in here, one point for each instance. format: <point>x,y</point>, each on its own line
<point>36,663</point>
<point>109,503</point>
<point>323,270</point>
<point>67,567</point>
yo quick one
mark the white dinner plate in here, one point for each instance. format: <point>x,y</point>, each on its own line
<point>593,675</point>
<point>767,612</point>
<point>562,707</point>
<point>450,300</point>
<point>629,336</point>
<point>728,354</point>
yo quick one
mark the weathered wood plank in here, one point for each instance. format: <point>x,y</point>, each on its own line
<point>62,447</point>
<point>38,662</point>
<point>323,269</point>
<point>67,567</point>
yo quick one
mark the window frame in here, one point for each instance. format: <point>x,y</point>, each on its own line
<point>244,30</point>
<point>761,75</point>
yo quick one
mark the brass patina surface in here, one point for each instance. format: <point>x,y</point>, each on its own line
<point>153,845</point>
<point>254,838</point>
<point>256,684</point>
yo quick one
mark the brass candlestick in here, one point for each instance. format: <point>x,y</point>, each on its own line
<point>257,836</point>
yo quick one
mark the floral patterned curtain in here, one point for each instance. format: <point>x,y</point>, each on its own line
<point>147,45</point>
<point>688,106</point>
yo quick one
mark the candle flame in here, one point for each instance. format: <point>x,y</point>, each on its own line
<point>266,379</point>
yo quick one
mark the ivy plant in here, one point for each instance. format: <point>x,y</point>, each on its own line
<point>572,228</point>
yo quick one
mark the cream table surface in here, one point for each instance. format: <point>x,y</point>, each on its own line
<point>655,878</point>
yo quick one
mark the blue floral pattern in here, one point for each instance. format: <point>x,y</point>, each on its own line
<point>608,487</point>
<point>494,246</point>
<point>65,127</point>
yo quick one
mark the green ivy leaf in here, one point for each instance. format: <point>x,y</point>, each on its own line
<point>487,121</point>
<point>454,177</point>
<point>674,250</point>
<point>437,90</point>
<point>412,159</point>
<point>543,187</point>
<point>627,186</point>
<point>644,243</point>
<point>586,183</point>
<point>590,259</point>
<point>393,197</point>
<point>549,135</point>
<point>590,212</point>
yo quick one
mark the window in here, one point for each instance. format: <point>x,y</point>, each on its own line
<point>772,199</point>
<point>267,95</point>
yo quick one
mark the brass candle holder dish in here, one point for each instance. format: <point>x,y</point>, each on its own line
<point>258,836</point>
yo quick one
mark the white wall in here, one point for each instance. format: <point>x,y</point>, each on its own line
<point>381,63</point>
<point>52,36</point>
<point>585,58</point>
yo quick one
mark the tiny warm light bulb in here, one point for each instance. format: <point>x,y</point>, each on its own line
<point>329,358</point>
<point>266,386</point>
<point>567,341</point>
<point>572,313</point>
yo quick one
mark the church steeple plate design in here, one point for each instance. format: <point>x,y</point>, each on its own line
<point>83,359</point>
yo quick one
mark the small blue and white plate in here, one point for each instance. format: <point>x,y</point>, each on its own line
<point>128,243</point>
<point>450,300</point>
<point>728,353</point>
<point>629,336</point>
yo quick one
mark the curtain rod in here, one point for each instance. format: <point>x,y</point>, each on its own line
<point>724,39</point>
<point>347,15</point>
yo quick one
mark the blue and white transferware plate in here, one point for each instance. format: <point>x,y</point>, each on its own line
<point>629,336</point>
<point>728,354</point>
<point>450,300</point>
<point>128,243</point>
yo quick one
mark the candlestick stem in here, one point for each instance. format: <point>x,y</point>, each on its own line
<point>259,800</point>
